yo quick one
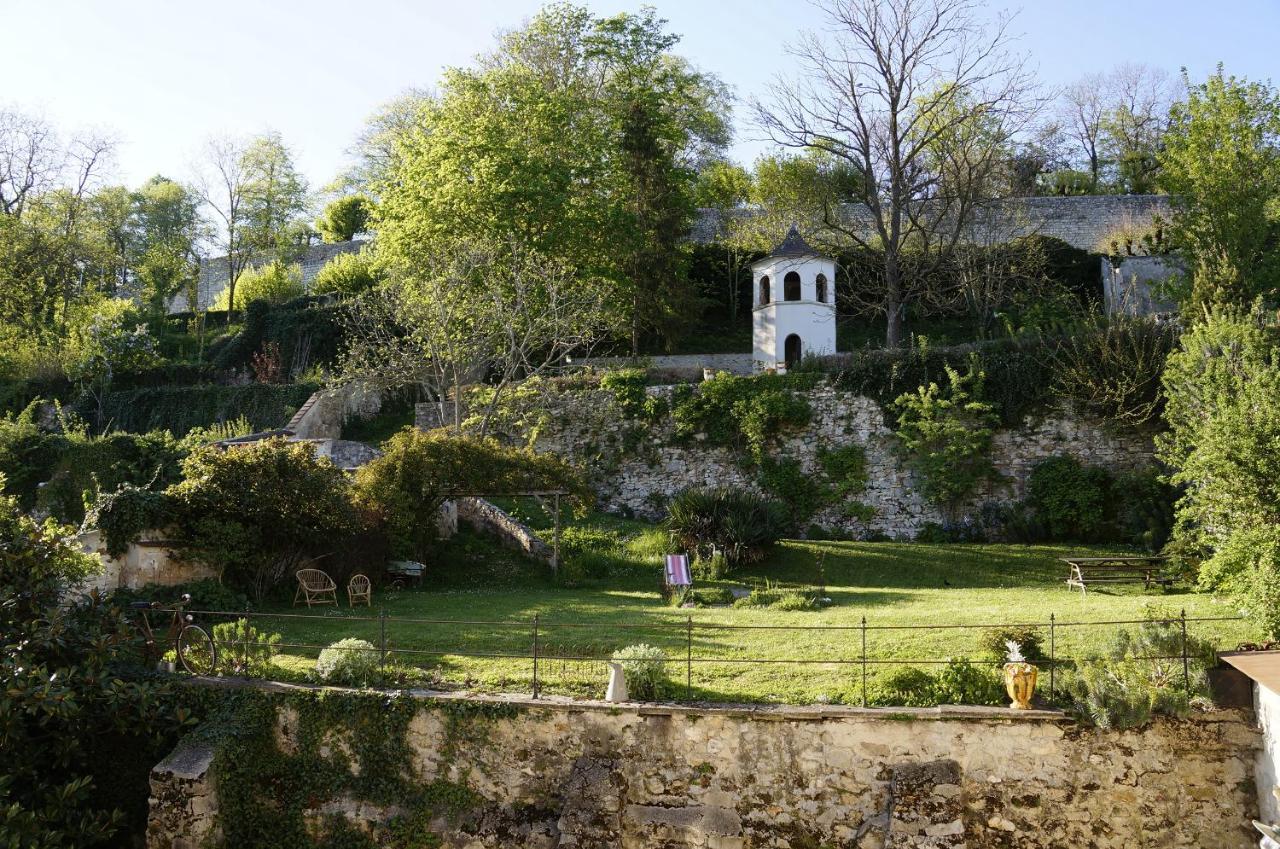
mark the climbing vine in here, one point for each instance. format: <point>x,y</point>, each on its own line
<point>342,745</point>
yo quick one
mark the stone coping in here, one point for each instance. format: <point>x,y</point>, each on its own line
<point>788,713</point>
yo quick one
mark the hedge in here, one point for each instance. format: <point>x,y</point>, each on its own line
<point>178,409</point>
<point>308,330</point>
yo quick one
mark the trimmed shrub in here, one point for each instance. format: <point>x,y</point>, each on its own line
<point>645,667</point>
<point>351,662</point>
<point>958,683</point>
<point>739,525</point>
<point>274,283</point>
<point>346,274</point>
<point>243,649</point>
<point>1070,499</point>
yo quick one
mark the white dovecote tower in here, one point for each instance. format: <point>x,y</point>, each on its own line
<point>793,305</point>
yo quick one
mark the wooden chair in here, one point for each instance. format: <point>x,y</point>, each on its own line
<point>360,588</point>
<point>315,587</point>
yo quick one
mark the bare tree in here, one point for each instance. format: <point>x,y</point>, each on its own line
<point>1082,108</point>
<point>476,312</point>
<point>31,159</point>
<point>1139,114</point>
<point>223,185</point>
<point>921,97</point>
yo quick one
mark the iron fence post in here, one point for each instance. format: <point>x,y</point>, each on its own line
<point>246,640</point>
<point>1186,668</point>
<point>382,642</point>
<point>535,655</point>
<point>864,661</point>
<point>1053,660</point>
<point>688,657</point>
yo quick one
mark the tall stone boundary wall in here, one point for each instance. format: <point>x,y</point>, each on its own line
<point>636,468</point>
<point>580,774</point>
<point>150,560</point>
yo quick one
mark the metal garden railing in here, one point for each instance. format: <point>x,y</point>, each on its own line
<point>532,634</point>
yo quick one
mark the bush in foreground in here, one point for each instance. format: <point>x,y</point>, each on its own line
<point>646,669</point>
<point>352,662</point>
<point>740,525</point>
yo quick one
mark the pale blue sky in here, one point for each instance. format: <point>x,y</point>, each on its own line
<point>163,75</point>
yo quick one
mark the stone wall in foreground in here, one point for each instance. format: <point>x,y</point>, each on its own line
<point>636,466</point>
<point>582,774</point>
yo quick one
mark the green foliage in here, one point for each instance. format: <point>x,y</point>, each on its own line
<point>946,434</point>
<point>308,331</point>
<point>347,274</point>
<point>627,386</point>
<point>1113,366</point>
<point>846,468</point>
<point>1221,167</point>
<point>800,494</point>
<point>79,728</point>
<point>345,217</point>
<point>206,594</point>
<point>1070,499</point>
<point>958,683</point>
<point>256,513</point>
<point>406,486</point>
<point>744,413</point>
<point>180,409</point>
<point>1017,376</point>
<point>1222,384</point>
<point>124,514</point>
<point>993,642</point>
<point>645,668</point>
<point>740,525</point>
<point>1142,675</point>
<point>275,283</point>
<point>352,662</point>
<point>576,129</point>
<point>782,598</point>
<point>243,649</point>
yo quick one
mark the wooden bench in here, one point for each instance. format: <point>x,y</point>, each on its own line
<point>1124,569</point>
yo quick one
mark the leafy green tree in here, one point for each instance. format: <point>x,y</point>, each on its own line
<point>946,434</point>
<point>167,227</point>
<point>258,199</point>
<point>722,185</point>
<point>579,138</point>
<point>345,217</point>
<point>1221,166</point>
<point>1221,386</point>
<point>407,485</point>
<point>255,513</point>
<point>78,731</point>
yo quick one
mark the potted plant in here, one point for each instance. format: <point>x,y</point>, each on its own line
<point>1019,677</point>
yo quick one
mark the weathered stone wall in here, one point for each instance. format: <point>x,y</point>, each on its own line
<point>214,271</point>
<point>491,519</point>
<point>636,467</point>
<point>660,777</point>
<point>150,560</point>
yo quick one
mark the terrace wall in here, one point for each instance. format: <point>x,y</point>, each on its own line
<point>588,774</point>
<point>637,467</point>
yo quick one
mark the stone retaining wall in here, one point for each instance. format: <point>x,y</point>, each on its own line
<point>636,467</point>
<point>587,774</point>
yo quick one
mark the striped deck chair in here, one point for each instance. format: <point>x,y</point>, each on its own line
<point>675,573</point>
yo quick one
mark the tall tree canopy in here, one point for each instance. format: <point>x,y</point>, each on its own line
<point>577,136</point>
<point>1221,165</point>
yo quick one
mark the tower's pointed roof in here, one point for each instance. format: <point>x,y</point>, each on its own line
<point>794,245</point>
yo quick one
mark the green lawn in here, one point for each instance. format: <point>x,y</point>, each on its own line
<point>483,600</point>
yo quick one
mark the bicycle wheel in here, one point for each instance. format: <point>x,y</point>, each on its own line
<point>196,651</point>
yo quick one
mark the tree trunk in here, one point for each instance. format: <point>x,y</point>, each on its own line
<point>894,323</point>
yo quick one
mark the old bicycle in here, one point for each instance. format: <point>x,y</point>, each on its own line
<point>194,648</point>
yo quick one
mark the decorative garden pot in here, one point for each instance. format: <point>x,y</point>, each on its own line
<point>1020,682</point>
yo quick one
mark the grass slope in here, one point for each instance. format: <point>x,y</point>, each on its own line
<point>613,602</point>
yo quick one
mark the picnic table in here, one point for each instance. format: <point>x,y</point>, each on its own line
<point>1117,569</point>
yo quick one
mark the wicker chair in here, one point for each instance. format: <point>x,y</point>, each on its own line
<point>315,587</point>
<point>360,588</point>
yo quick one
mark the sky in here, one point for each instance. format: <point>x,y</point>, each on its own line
<point>162,76</point>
